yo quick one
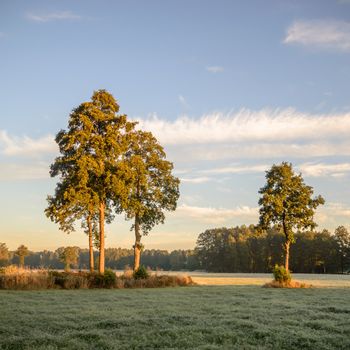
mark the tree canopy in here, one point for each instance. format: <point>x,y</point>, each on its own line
<point>90,167</point>
<point>22,251</point>
<point>152,187</point>
<point>287,201</point>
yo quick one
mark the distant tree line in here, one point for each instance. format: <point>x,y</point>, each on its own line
<point>239,249</point>
<point>116,258</point>
<point>247,249</point>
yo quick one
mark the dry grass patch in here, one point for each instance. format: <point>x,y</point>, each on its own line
<point>290,284</point>
<point>14,278</point>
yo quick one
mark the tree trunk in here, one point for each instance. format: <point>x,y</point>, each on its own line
<point>102,238</point>
<point>137,246</point>
<point>287,243</point>
<point>286,248</point>
<point>342,262</point>
<point>21,261</point>
<point>91,248</point>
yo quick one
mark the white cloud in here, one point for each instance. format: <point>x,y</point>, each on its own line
<point>53,16</point>
<point>214,69</point>
<point>196,180</point>
<point>18,146</point>
<point>246,125</point>
<point>338,209</point>
<point>263,133</point>
<point>238,169</point>
<point>215,215</point>
<point>33,171</point>
<point>322,169</point>
<point>329,34</point>
<point>331,215</point>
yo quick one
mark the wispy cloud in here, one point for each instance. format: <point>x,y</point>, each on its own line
<point>216,215</point>
<point>196,180</point>
<point>214,69</point>
<point>238,169</point>
<point>246,133</point>
<point>327,34</point>
<point>323,169</point>
<point>18,146</point>
<point>53,16</point>
<point>337,209</point>
<point>246,125</point>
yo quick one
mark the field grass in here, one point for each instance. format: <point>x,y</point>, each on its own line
<point>199,317</point>
<point>258,279</point>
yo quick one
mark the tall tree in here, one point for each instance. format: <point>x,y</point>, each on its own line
<point>22,251</point>
<point>4,254</point>
<point>287,201</point>
<point>342,237</point>
<point>91,170</point>
<point>152,187</point>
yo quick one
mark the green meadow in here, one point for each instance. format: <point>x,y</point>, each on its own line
<point>198,317</point>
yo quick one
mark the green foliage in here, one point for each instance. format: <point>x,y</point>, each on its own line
<point>106,280</point>
<point>91,170</point>
<point>342,237</point>
<point>68,255</point>
<point>152,187</point>
<point>287,202</point>
<point>67,280</point>
<point>281,275</point>
<point>141,273</point>
<point>22,251</point>
<point>4,254</point>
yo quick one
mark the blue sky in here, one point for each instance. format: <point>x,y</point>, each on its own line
<point>229,88</point>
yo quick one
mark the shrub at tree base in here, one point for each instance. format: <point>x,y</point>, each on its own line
<point>283,279</point>
<point>281,275</point>
<point>25,279</point>
<point>141,273</point>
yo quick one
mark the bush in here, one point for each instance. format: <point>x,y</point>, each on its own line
<point>17,278</point>
<point>109,279</point>
<point>141,273</point>
<point>281,275</point>
<point>106,280</point>
<point>70,280</point>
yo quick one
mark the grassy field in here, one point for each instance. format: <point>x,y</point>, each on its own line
<point>201,317</point>
<point>258,279</point>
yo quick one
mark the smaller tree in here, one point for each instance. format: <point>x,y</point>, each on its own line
<point>287,202</point>
<point>342,237</point>
<point>22,251</point>
<point>4,254</point>
<point>152,187</point>
<point>69,256</point>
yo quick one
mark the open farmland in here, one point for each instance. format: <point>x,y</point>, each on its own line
<point>202,317</point>
<point>258,279</point>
